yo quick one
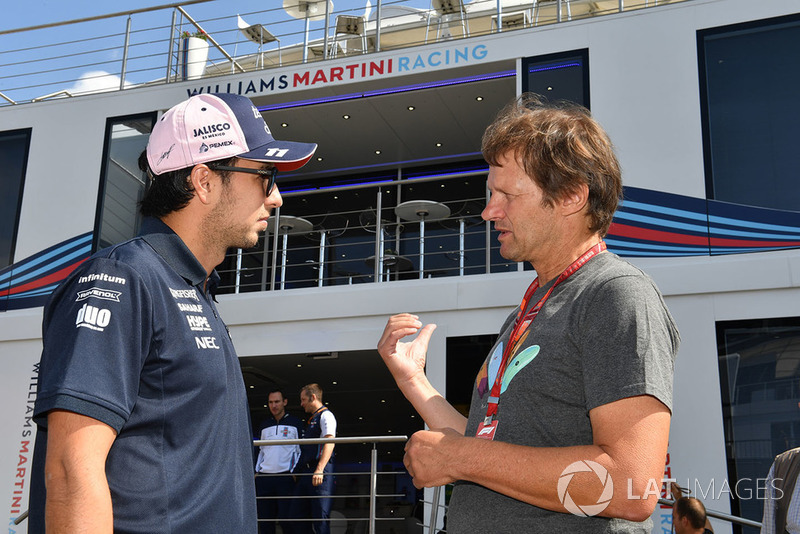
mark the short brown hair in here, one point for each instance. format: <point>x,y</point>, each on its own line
<point>313,389</point>
<point>692,509</point>
<point>560,146</point>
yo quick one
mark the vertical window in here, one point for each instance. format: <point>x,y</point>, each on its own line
<point>121,182</point>
<point>13,160</point>
<point>759,373</point>
<point>749,75</point>
<point>562,76</point>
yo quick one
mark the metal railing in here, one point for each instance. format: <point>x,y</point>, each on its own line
<point>373,496</point>
<point>410,229</point>
<point>70,58</point>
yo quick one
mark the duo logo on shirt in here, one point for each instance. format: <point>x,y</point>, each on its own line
<point>93,318</point>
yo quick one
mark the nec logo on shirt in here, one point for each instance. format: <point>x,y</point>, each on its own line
<point>198,323</point>
<point>206,342</point>
<point>92,318</point>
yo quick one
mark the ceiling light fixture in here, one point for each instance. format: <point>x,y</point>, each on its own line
<point>345,117</point>
<point>323,355</point>
<point>284,124</point>
<point>391,90</point>
<point>479,98</point>
<point>411,108</point>
<point>377,151</point>
<point>438,144</point>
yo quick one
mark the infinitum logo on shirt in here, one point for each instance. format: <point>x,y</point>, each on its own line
<point>93,318</point>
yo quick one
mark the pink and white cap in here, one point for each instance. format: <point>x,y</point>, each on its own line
<point>210,127</point>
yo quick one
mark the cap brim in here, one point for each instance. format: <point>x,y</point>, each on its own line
<point>285,155</point>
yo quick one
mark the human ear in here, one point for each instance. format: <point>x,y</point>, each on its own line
<point>200,177</point>
<point>574,201</point>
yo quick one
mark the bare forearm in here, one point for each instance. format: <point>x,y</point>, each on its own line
<point>630,445</point>
<point>431,405</point>
<point>78,506</point>
<point>78,498</point>
<point>532,474</point>
<point>324,456</point>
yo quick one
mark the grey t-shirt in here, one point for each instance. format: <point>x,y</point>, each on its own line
<point>604,334</point>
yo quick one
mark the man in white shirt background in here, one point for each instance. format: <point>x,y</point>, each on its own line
<point>275,482</point>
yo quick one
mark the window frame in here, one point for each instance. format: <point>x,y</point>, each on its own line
<point>582,53</point>
<point>28,134</point>
<point>103,178</point>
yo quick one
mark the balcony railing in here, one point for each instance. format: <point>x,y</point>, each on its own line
<point>400,229</point>
<point>374,520</point>
<point>146,46</point>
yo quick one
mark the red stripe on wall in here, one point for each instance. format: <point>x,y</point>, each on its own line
<point>41,282</point>
<point>660,236</point>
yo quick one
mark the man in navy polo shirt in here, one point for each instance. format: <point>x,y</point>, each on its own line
<point>315,460</point>
<point>142,413</point>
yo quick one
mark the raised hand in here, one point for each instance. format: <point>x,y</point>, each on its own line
<point>405,360</point>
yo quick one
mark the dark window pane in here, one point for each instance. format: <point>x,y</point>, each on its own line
<point>122,183</point>
<point>752,115</point>
<point>760,384</point>
<point>563,76</point>
<point>13,159</point>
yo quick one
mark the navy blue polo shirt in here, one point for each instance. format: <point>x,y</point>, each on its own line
<point>132,339</point>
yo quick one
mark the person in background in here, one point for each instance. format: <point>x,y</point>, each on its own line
<point>782,502</point>
<point>277,463</point>
<point>142,414</point>
<point>689,517</point>
<point>315,460</point>
<point>579,383</point>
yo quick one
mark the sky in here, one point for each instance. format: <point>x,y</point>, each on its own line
<point>32,63</point>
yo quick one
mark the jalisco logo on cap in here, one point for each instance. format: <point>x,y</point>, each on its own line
<point>211,128</point>
<point>232,122</point>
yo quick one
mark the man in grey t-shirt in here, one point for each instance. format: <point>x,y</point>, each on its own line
<point>570,412</point>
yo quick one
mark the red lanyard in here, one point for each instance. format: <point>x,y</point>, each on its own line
<point>522,323</point>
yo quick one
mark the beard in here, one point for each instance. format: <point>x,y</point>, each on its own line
<point>221,231</point>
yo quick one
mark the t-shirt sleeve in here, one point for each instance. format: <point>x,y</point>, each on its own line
<point>628,343</point>
<point>327,424</point>
<point>96,335</point>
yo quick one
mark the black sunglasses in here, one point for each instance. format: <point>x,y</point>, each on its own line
<point>266,174</point>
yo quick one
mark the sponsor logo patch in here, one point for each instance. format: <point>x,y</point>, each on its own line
<point>99,293</point>
<point>93,318</point>
<point>102,277</point>
<point>184,294</point>
<point>195,308</point>
<point>198,323</point>
<point>206,342</point>
<point>212,130</point>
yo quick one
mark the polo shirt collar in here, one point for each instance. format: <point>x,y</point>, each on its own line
<point>175,252</point>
